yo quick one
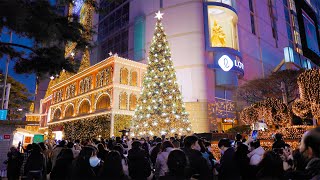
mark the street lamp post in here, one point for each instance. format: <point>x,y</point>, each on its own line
<point>6,76</point>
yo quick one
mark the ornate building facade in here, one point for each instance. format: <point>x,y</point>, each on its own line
<point>96,102</point>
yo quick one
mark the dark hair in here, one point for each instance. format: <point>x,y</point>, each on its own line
<point>36,148</point>
<point>43,146</point>
<point>177,162</point>
<point>176,143</point>
<point>66,154</point>
<point>70,145</point>
<point>29,147</point>
<point>287,145</point>
<point>201,144</point>
<point>136,145</point>
<point>165,145</point>
<point>207,144</point>
<point>77,141</point>
<point>312,140</point>
<point>158,140</point>
<point>224,142</point>
<point>120,149</point>
<point>238,137</point>
<point>271,166</point>
<point>100,147</point>
<point>255,144</point>
<point>62,143</point>
<point>189,141</point>
<point>278,136</point>
<point>112,167</point>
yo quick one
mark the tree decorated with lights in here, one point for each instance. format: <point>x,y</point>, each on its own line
<point>160,109</point>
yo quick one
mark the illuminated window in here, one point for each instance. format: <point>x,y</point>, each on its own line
<point>124,73</point>
<point>69,111</point>
<point>57,114</point>
<point>84,107</point>
<point>222,27</point>
<point>133,102</point>
<point>103,102</point>
<point>123,100</point>
<point>134,78</point>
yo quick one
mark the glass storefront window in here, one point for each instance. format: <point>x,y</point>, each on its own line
<point>222,27</point>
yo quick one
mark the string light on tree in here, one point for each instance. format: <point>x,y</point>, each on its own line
<point>160,92</point>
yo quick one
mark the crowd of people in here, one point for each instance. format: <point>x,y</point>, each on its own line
<point>167,159</point>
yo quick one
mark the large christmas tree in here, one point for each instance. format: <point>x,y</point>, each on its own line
<point>160,109</point>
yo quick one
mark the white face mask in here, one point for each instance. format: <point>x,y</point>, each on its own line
<point>209,149</point>
<point>221,151</point>
<point>94,161</point>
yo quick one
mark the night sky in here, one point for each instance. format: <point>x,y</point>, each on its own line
<point>27,79</point>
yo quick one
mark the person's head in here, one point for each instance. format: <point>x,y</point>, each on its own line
<point>271,165</point>
<point>118,139</point>
<point>66,154</point>
<point>224,144</point>
<point>77,141</point>
<point>29,147</point>
<point>100,147</point>
<point>112,166</point>
<point>43,146</point>
<point>278,137</point>
<point>254,144</point>
<point>165,145</point>
<point>177,162</point>
<point>287,151</point>
<point>136,145</point>
<point>310,143</point>
<point>62,143</point>
<point>207,145</point>
<point>172,139</point>
<point>158,140</point>
<point>201,144</point>
<point>191,142</point>
<point>120,149</point>
<point>86,152</point>
<point>70,145</point>
<point>36,148</point>
<point>242,150</point>
<point>238,137</point>
<point>176,144</point>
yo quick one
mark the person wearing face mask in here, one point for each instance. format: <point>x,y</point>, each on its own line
<point>227,168</point>
<point>197,165</point>
<point>83,166</point>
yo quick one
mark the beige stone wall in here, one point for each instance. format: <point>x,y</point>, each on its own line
<point>198,116</point>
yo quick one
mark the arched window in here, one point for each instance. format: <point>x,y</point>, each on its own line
<point>103,102</point>
<point>69,111</point>
<point>124,73</point>
<point>123,100</point>
<point>134,78</point>
<point>57,114</point>
<point>84,107</point>
<point>133,102</point>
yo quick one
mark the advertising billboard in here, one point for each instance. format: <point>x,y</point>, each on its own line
<point>311,33</point>
<point>3,114</point>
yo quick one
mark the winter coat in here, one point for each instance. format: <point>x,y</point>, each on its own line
<point>139,164</point>
<point>313,169</point>
<point>55,152</point>
<point>36,162</point>
<point>161,162</point>
<point>256,156</point>
<point>14,163</point>
<point>197,165</point>
<point>81,169</point>
<point>62,170</point>
<point>228,169</point>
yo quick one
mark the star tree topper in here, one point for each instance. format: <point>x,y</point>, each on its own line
<point>159,15</point>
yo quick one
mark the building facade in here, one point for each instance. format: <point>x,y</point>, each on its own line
<point>216,45</point>
<point>96,102</point>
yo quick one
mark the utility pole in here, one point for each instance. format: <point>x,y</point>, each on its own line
<point>6,76</point>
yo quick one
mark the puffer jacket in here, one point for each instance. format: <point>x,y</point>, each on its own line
<point>161,163</point>
<point>256,156</point>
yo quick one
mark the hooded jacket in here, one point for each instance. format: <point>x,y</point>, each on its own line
<point>256,156</point>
